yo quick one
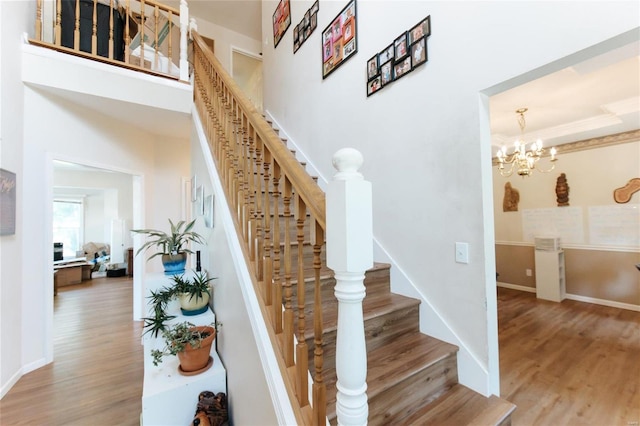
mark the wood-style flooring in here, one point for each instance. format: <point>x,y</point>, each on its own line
<point>96,377</point>
<point>568,363</point>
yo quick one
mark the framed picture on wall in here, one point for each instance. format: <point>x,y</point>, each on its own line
<point>402,68</point>
<point>386,73</point>
<point>281,21</point>
<point>7,202</point>
<point>194,187</point>
<point>386,54</point>
<point>400,47</point>
<point>339,39</point>
<point>419,52</point>
<point>374,85</point>
<point>208,211</point>
<point>422,29</point>
<point>372,67</point>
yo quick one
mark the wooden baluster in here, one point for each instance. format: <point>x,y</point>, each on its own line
<point>277,281</point>
<point>259,210</point>
<point>267,267</point>
<point>156,57</point>
<point>319,388</point>
<point>143,18</point>
<point>288,292</point>
<point>111,23</point>
<point>302,351</point>
<point>58,29</point>
<point>170,48</point>
<point>39,20</point>
<point>76,32</point>
<point>94,29</point>
<point>127,35</point>
<point>252,194</point>
<point>246,164</point>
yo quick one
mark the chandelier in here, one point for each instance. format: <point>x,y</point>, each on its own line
<point>522,161</point>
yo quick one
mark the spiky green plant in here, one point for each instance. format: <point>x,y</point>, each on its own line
<point>170,243</point>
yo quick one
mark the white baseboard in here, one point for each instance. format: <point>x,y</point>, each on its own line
<point>603,302</point>
<point>516,287</point>
<point>577,298</point>
<point>12,381</point>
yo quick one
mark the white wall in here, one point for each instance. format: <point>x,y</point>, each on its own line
<point>425,138</point>
<point>592,176</point>
<point>14,21</point>
<point>226,39</point>
<point>236,343</point>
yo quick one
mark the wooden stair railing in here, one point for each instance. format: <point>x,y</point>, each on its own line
<point>264,182</point>
<point>83,32</point>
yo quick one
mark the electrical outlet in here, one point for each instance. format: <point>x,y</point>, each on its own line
<point>529,272</point>
<point>462,252</point>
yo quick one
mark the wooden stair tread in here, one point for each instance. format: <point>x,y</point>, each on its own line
<point>462,406</point>
<point>373,306</point>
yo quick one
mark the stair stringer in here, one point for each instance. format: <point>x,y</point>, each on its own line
<point>471,370</point>
<point>278,392</point>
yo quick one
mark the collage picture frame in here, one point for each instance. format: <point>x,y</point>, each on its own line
<point>339,39</point>
<point>306,26</point>
<point>281,21</point>
<point>407,52</point>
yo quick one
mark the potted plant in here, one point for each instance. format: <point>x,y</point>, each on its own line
<point>171,246</point>
<point>192,345</point>
<point>193,295</point>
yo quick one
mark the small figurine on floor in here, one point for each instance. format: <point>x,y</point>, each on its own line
<point>211,410</point>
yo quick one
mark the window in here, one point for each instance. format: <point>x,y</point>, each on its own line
<point>68,225</point>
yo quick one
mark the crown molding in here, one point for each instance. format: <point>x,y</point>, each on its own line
<point>593,143</point>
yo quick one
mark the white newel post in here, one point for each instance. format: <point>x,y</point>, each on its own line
<point>184,28</point>
<point>350,254</point>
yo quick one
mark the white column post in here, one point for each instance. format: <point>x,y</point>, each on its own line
<point>350,254</point>
<point>184,31</point>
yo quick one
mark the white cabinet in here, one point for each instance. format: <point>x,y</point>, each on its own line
<point>550,275</point>
<point>169,398</point>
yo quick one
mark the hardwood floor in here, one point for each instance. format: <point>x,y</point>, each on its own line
<point>568,363</point>
<point>96,378</point>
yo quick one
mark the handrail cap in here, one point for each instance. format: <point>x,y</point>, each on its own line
<point>347,161</point>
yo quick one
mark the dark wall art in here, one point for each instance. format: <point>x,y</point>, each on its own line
<point>281,21</point>
<point>306,26</point>
<point>7,202</point>
<point>339,39</point>
<point>407,52</point>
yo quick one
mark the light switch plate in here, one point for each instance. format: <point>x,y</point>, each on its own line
<point>462,252</point>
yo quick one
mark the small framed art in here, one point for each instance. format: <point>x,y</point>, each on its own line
<point>386,55</point>
<point>400,47</point>
<point>422,29</point>
<point>374,85</point>
<point>401,68</point>
<point>208,211</point>
<point>372,67</point>
<point>386,73</point>
<point>419,52</point>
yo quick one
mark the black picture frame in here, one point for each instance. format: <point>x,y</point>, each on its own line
<point>336,50</point>
<point>306,26</point>
<point>402,67</point>
<point>401,46</point>
<point>374,85</point>
<point>281,21</point>
<point>421,29</point>
<point>386,73</point>
<point>419,55</point>
<point>373,69</point>
<point>387,54</point>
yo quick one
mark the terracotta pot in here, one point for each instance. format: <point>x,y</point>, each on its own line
<point>194,359</point>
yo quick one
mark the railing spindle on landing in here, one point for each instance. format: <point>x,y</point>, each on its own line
<point>80,27</point>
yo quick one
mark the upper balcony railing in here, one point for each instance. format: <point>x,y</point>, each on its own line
<point>138,34</point>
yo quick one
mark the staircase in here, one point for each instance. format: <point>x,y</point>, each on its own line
<point>281,220</point>
<point>412,378</point>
